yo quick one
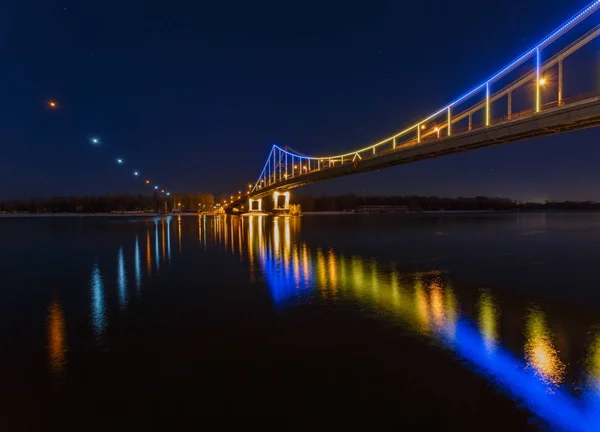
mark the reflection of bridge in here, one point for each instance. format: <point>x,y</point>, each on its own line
<point>298,274</point>
<point>525,99</point>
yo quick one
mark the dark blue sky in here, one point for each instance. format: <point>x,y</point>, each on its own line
<point>193,93</point>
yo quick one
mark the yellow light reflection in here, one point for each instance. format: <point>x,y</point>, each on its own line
<point>57,346</point>
<point>437,304</point>
<point>276,239</point>
<point>358,274</point>
<point>374,280</point>
<point>179,231</point>
<point>395,289</point>
<point>488,319</point>
<point>333,269</point>
<point>451,306</point>
<point>422,307</point>
<point>540,352</point>
<point>296,267</point>
<point>321,272</point>
<point>287,248</point>
<point>593,362</point>
<point>305,264</point>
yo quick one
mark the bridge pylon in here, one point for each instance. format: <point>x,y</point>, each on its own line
<point>251,208</point>
<point>276,201</point>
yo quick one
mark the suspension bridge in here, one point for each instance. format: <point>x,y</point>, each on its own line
<point>525,99</point>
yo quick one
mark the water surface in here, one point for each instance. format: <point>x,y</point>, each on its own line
<point>444,322</point>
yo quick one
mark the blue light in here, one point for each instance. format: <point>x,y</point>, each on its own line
<point>168,193</point>
<point>119,161</point>
<point>135,173</point>
<point>95,141</point>
<point>155,187</point>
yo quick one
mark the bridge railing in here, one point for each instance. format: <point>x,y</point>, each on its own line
<point>283,165</point>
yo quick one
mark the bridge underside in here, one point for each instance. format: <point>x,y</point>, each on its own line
<point>576,116</point>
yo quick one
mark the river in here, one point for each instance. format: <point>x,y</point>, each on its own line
<point>436,322</point>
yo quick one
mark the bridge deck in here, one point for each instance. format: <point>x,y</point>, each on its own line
<point>575,116</point>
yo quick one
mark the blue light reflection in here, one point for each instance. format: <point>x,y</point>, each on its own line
<point>295,274</point>
<point>98,306</point>
<point>121,278</point>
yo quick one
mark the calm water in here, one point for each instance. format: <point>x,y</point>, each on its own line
<point>487,322</point>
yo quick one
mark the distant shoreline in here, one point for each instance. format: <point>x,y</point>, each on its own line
<point>42,215</point>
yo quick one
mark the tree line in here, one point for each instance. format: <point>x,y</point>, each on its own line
<point>350,202</point>
<point>194,201</point>
<point>108,203</point>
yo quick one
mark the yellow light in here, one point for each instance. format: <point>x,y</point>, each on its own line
<point>239,192</point>
<point>542,81</point>
<point>231,197</point>
<point>147,181</point>
<point>163,191</point>
<point>295,166</point>
<point>249,186</point>
<point>52,104</point>
<point>422,127</point>
<point>437,129</point>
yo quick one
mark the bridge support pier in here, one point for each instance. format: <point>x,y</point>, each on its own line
<point>286,204</point>
<point>250,207</point>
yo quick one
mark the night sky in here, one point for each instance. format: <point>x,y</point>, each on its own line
<point>194,93</point>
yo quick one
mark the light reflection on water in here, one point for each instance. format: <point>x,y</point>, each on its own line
<point>297,273</point>
<point>429,304</point>
<point>98,311</point>
<point>57,345</point>
<point>488,319</point>
<point>122,278</point>
<point>540,352</point>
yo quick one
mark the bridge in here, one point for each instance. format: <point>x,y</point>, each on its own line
<point>525,99</point>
